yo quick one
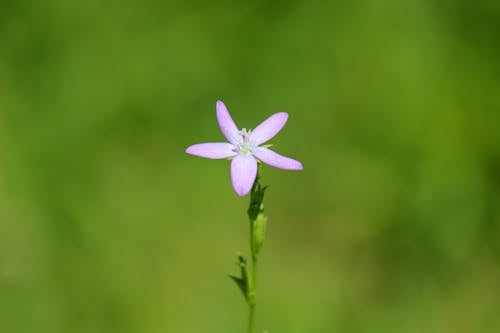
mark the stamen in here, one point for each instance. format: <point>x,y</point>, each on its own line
<point>245,147</point>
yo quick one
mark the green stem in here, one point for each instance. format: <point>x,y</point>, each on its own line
<point>252,280</point>
<point>257,231</point>
<point>251,318</point>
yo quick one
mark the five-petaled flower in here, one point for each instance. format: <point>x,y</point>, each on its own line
<point>244,147</point>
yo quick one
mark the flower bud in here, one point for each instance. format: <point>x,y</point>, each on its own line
<point>259,231</point>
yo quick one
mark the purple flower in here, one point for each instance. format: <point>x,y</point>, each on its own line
<point>244,147</point>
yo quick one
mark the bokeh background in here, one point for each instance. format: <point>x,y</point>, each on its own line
<point>106,225</point>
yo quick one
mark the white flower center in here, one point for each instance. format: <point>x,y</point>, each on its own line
<point>246,147</point>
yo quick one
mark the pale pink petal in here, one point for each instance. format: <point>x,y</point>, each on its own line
<point>213,150</point>
<point>243,173</point>
<point>276,160</point>
<point>268,128</point>
<point>226,123</point>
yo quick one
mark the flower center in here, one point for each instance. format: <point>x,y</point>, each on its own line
<point>245,147</point>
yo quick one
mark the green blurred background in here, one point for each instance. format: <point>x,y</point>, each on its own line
<point>106,225</point>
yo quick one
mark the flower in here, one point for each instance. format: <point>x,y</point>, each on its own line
<point>244,148</point>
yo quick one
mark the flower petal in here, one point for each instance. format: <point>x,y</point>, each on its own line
<point>268,128</point>
<point>226,123</point>
<point>213,150</point>
<point>276,160</point>
<point>243,173</point>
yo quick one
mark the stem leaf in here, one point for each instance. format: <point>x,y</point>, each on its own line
<point>242,282</point>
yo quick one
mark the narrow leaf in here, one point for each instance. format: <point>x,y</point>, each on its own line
<point>242,282</point>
